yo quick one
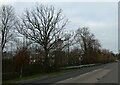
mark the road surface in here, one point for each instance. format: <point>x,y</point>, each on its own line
<point>107,73</point>
<point>112,76</point>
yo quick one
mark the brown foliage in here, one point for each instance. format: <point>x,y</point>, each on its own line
<point>22,58</point>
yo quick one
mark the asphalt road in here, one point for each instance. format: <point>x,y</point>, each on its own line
<point>105,74</point>
<point>112,76</point>
<point>108,71</point>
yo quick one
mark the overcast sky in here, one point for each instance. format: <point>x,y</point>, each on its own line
<point>100,17</point>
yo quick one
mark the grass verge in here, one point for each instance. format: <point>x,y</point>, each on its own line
<point>41,75</point>
<point>44,75</point>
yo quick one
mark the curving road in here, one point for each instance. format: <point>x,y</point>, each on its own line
<point>106,73</point>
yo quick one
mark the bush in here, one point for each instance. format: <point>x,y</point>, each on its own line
<point>10,75</point>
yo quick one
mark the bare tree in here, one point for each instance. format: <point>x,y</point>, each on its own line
<point>86,39</point>
<point>43,25</point>
<point>7,18</point>
<point>89,45</point>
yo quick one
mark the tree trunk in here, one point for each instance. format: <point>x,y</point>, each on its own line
<point>21,72</point>
<point>46,62</point>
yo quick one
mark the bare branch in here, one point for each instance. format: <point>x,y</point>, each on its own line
<point>7,18</point>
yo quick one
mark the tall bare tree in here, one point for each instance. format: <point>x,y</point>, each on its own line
<point>86,39</point>
<point>43,25</point>
<point>89,44</point>
<point>7,17</point>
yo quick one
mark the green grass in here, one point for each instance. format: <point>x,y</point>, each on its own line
<point>41,75</point>
<point>44,75</point>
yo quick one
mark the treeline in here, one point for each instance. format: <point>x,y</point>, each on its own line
<point>39,43</point>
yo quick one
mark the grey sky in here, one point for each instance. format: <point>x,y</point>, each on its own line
<point>100,17</point>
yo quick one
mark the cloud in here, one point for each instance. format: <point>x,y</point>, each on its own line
<point>101,18</point>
